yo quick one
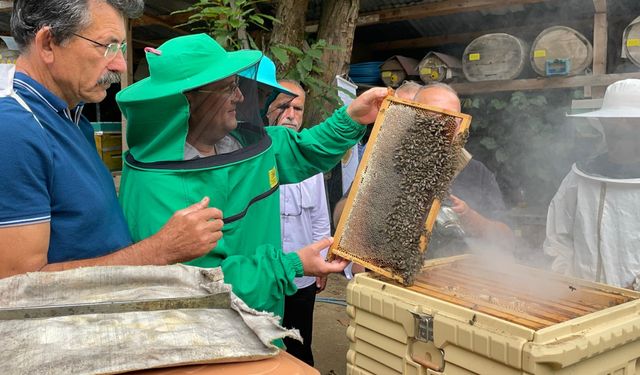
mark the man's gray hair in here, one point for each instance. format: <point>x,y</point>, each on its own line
<point>438,85</point>
<point>295,83</point>
<point>64,17</point>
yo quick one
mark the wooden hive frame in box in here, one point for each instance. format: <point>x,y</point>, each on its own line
<point>532,298</point>
<point>413,152</point>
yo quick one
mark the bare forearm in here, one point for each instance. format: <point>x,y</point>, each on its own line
<point>190,233</point>
<point>477,225</point>
<point>142,253</point>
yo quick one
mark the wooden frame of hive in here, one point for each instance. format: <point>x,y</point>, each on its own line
<point>337,248</point>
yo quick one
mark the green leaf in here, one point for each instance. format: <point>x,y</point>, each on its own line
<point>215,11</point>
<point>315,53</point>
<point>293,49</point>
<point>307,63</point>
<point>256,19</point>
<point>235,23</point>
<point>187,10</point>
<point>302,72</point>
<point>252,43</point>
<point>280,54</point>
<point>320,43</point>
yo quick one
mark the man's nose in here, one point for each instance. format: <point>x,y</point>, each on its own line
<point>289,113</point>
<point>237,95</point>
<point>118,63</point>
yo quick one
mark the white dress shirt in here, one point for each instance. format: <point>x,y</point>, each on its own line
<point>304,218</point>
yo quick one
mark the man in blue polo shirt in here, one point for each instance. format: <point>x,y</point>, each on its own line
<point>58,206</point>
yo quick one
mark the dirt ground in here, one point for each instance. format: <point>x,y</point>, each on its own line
<point>330,343</point>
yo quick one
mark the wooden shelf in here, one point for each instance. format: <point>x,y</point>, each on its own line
<point>542,83</point>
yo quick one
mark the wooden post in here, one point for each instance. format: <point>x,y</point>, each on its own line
<point>600,37</point>
<point>127,78</point>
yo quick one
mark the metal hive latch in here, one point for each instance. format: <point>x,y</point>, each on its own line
<point>424,327</point>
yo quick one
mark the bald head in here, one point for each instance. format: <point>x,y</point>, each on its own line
<point>408,90</point>
<point>439,96</point>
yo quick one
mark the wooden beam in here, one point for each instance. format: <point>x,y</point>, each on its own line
<point>600,6</point>
<point>471,88</point>
<point>148,43</point>
<point>464,38</point>
<point>430,10</point>
<point>164,20</point>
<point>600,38</point>
<point>147,20</point>
<point>6,6</point>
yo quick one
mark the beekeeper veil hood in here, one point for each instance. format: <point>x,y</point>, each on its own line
<point>192,102</point>
<point>619,120</point>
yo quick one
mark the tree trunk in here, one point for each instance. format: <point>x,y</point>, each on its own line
<point>290,29</point>
<point>337,27</point>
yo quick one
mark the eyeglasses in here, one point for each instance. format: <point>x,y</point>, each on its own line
<point>228,89</point>
<point>111,49</point>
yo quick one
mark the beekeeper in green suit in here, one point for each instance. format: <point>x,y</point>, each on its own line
<point>194,130</point>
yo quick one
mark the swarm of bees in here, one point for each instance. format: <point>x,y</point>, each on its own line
<point>413,161</point>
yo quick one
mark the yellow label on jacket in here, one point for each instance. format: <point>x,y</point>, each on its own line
<point>273,177</point>
<point>474,56</point>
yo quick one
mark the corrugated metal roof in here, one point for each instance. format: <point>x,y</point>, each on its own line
<point>524,21</point>
<point>366,6</point>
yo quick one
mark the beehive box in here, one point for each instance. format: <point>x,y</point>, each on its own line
<point>410,160</point>
<point>397,69</point>
<point>466,317</point>
<point>560,51</point>
<point>108,138</point>
<point>631,42</point>
<point>439,67</point>
<point>497,56</point>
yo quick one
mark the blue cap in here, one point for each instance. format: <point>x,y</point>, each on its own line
<point>266,75</point>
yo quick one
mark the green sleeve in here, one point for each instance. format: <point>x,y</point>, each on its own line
<point>314,150</point>
<point>263,279</point>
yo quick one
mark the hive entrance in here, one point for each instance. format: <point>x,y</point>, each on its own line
<point>410,160</point>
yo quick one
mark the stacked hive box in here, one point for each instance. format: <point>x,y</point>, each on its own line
<point>463,317</point>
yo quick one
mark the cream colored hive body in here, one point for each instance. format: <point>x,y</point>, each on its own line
<point>463,317</point>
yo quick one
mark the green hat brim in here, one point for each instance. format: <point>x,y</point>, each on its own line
<point>150,88</point>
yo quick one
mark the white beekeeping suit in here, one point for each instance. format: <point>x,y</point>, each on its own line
<point>593,223</point>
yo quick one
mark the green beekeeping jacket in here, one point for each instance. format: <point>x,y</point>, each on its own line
<point>243,184</point>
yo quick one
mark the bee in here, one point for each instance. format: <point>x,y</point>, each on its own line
<point>472,321</point>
